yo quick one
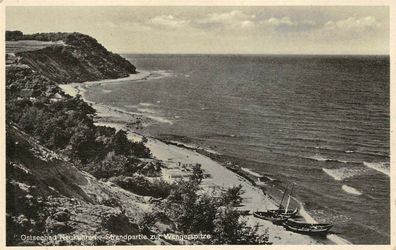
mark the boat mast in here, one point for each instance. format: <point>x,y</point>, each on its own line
<point>280,204</point>
<point>288,200</point>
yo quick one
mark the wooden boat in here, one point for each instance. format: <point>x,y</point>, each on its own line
<point>277,216</point>
<point>284,212</point>
<point>307,228</point>
<point>274,218</point>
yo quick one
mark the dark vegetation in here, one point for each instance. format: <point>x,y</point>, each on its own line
<point>13,35</point>
<point>140,185</point>
<point>66,125</point>
<point>195,212</point>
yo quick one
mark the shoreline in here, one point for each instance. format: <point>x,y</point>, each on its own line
<point>172,153</point>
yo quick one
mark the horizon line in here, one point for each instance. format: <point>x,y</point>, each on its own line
<point>253,54</point>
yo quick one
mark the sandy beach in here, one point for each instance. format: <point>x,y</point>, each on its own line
<point>220,177</point>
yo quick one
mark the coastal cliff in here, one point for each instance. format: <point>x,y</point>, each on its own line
<point>71,57</point>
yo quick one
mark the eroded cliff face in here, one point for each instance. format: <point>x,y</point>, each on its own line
<point>73,58</point>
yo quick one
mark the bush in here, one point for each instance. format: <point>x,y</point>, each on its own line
<point>197,174</point>
<point>118,223</point>
<point>142,186</point>
<point>229,229</point>
<point>13,35</point>
<point>232,196</point>
<point>196,212</point>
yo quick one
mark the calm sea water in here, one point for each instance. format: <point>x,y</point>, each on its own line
<point>321,122</point>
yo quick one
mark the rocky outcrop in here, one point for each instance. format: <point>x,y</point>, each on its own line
<point>77,58</point>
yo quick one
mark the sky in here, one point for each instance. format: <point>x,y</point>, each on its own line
<point>216,29</point>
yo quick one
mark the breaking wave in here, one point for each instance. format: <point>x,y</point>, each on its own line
<point>351,190</point>
<point>340,174</point>
<point>382,167</point>
<point>324,159</point>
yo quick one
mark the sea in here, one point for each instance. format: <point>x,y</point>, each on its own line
<point>318,122</point>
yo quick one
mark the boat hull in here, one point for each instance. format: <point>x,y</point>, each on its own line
<point>307,228</point>
<point>277,219</point>
<point>288,213</point>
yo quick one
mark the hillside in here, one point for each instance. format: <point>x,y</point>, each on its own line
<point>46,194</point>
<point>68,57</point>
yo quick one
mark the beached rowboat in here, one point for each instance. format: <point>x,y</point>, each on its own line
<point>274,218</point>
<point>277,216</point>
<point>307,228</point>
<point>286,213</point>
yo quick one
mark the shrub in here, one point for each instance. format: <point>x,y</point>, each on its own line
<point>229,229</point>
<point>142,186</point>
<point>196,212</point>
<point>232,196</point>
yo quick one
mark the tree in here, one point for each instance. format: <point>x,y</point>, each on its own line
<point>204,213</point>
<point>13,35</point>
<point>82,143</point>
<point>120,143</point>
<point>228,229</point>
<point>197,174</point>
<point>232,196</point>
<point>196,212</point>
<point>140,150</point>
<point>179,204</point>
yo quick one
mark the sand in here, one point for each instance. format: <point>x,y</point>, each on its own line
<point>219,178</point>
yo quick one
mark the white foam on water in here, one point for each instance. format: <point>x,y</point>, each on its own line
<point>143,110</point>
<point>351,190</point>
<point>159,74</point>
<point>132,77</point>
<point>122,111</point>
<point>73,89</point>
<point>340,174</point>
<point>212,151</point>
<point>251,172</point>
<point>146,110</point>
<point>318,158</point>
<point>324,159</point>
<point>333,174</point>
<point>160,119</point>
<point>307,217</point>
<point>382,167</point>
<point>146,104</point>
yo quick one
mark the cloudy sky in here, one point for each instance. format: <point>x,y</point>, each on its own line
<point>257,30</point>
